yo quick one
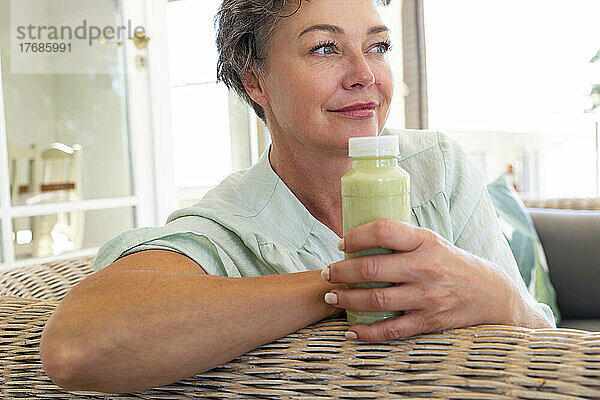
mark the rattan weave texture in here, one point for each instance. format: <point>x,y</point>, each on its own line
<point>49,281</point>
<point>590,203</point>
<point>484,362</point>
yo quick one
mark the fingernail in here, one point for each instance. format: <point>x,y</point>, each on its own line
<point>325,274</point>
<point>342,245</point>
<point>331,298</point>
<point>351,335</point>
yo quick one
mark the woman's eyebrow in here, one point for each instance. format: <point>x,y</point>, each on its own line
<point>337,30</point>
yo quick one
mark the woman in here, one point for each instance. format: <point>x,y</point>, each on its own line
<point>318,74</point>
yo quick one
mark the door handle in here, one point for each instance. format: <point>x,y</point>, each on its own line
<point>140,40</point>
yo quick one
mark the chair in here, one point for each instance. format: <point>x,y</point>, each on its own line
<point>60,181</point>
<point>53,176</point>
<point>23,177</point>
<point>23,171</point>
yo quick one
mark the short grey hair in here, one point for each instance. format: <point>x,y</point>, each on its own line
<point>244,28</point>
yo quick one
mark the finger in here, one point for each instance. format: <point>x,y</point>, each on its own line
<point>392,298</point>
<point>386,233</point>
<point>395,268</point>
<point>409,324</point>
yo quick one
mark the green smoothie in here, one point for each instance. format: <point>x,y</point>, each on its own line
<point>376,187</point>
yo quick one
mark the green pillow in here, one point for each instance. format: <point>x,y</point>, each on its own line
<point>524,242</point>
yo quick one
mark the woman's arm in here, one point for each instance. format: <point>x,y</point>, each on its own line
<point>154,317</point>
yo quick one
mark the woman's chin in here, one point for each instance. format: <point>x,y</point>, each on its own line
<point>345,134</point>
<point>362,130</point>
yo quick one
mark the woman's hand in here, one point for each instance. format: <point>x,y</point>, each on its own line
<point>438,285</point>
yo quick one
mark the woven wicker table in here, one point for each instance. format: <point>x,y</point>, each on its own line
<point>483,362</point>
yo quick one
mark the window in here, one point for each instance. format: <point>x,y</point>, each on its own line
<point>210,125</point>
<point>512,81</point>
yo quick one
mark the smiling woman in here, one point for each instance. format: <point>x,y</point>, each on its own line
<point>310,123</point>
<point>266,241</point>
<point>244,29</point>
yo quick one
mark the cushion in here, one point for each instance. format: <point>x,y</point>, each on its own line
<point>524,242</point>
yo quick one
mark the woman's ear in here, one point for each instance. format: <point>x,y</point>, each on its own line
<point>254,85</point>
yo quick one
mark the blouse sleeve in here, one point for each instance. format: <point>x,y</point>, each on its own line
<point>206,252</point>
<point>475,226</point>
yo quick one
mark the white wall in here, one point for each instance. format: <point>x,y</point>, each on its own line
<point>492,151</point>
<point>559,164</point>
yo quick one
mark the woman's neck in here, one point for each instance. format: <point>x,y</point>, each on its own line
<point>314,178</point>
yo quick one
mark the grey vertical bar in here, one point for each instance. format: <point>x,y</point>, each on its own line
<point>414,59</point>
<point>597,166</point>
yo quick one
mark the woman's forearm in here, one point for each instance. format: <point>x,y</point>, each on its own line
<point>133,330</point>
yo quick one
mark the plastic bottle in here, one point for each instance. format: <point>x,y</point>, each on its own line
<point>375,187</point>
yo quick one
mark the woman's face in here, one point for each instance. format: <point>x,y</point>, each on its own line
<point>328,56</point>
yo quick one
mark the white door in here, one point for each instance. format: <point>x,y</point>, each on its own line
<point>77,149</point>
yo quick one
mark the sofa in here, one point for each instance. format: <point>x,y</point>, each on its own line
<point>571,242</point>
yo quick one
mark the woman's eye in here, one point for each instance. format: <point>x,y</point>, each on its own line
<point>327,48</point>
<point>331,48</point>
<point>381,48</point>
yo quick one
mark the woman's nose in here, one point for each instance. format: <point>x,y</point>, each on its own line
<point>359,73</point>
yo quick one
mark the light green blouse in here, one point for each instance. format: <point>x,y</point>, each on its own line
<point>251,224</point>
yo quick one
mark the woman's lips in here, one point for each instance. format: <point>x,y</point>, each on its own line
<point>363,113</point>
<point>358,110</point>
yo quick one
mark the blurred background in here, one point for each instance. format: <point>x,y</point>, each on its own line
<point>93,151</point>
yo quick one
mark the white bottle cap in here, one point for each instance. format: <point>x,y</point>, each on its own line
<point>373,146</point>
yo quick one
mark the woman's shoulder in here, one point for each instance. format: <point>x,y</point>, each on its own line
<point>436,162</point>
<point>416,141</point>
<point>413,141</point>
<point>242,194</point>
